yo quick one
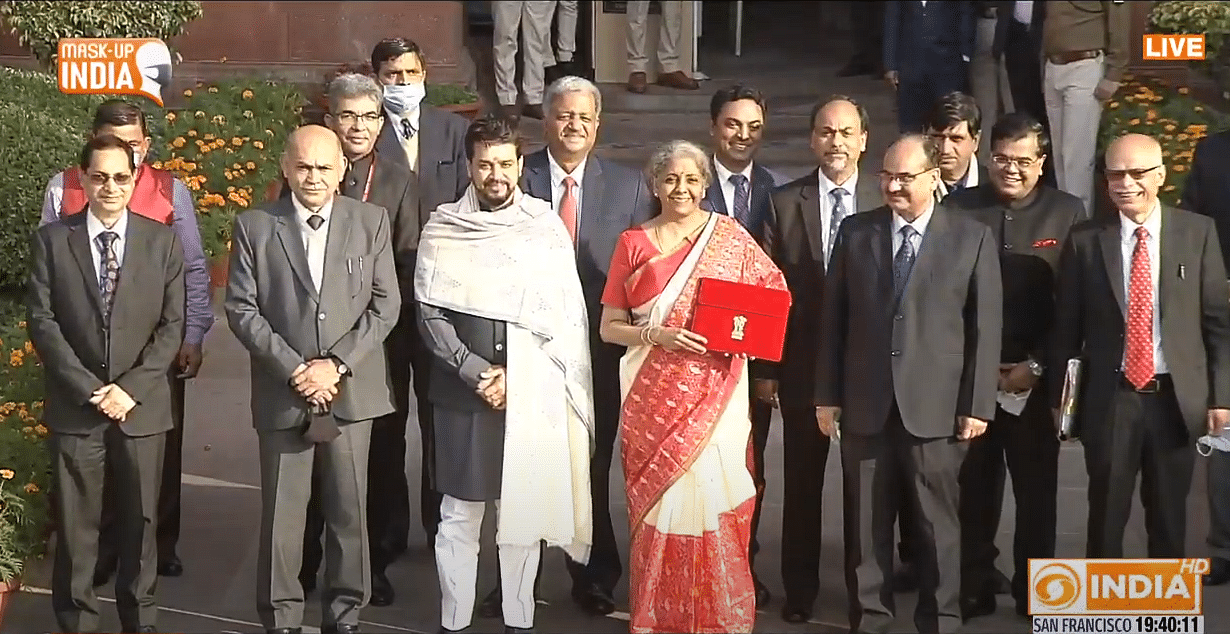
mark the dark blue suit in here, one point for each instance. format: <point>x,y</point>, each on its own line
<point>929,47</point>
<point>613,198</point>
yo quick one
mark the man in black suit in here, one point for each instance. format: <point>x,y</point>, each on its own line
<point>431,143</point>
<point>805,216</point>
<point>912,308</point>
<point>598,200</point>
<point>867,26</point>
<point>1207,192</point>
<point>955,125</point>
<point>740,189</point>
<point>1018,40</point>
<point>105,311</point>
<point>1142,299</point>
<point>355,115</point>
<point>1030,221</point>
<point>927,49</point>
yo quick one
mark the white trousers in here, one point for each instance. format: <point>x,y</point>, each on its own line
<point>669,32</point>
<point>1075,115</point>
<point>533,19</point>
<point>566,43</point>
<point>989,83</point>
<point>457,546</point>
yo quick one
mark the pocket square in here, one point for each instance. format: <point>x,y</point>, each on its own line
<point>1049,242</point>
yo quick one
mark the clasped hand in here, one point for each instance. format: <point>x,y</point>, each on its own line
<point>316,381</point>
<point>491,387</point>
<point>113,402</point>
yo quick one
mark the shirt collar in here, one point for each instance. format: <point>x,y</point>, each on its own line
<point>558,173</point>
<point>723,174</point>
<point>95,226</point>
<point>827,186</point>
<point>303,213</point>
<point>1152,224</point>
<point>920,223</point>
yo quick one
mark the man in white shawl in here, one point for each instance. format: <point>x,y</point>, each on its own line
<point>502,311</point>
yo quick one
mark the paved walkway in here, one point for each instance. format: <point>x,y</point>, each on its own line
<point>221,500</point>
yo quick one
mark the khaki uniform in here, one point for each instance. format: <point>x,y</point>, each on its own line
<point>1082,44</point>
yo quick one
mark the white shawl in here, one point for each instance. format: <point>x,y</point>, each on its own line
<point>518,265</point>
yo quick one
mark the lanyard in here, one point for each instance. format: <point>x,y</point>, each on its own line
<point>371,171</point>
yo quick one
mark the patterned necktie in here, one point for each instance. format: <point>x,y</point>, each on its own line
<point>407,130</point>
<point>568,207</point>
<point>838,214</point>
<point>743,206</point>
<point>903,262</point>
<point>109,273</point>
<point>314,221</point>
<point>1138,362</point>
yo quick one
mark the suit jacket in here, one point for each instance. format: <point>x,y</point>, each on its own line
<point>1207,190</point>
<point>936,352</point>
<point>1004,18</point>
<point>795,242</point>
<point>1194,316</point>
<point>444,172</point>
<point>919,39</point>
<point>613,198</point>
<point>276,313</point>
<point>79,353</point>
<point>762,185</point>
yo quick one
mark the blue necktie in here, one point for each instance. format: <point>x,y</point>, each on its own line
<point>903,262</point>
<point>838,214</point>
<point>743,207</point>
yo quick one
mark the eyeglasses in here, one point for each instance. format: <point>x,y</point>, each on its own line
<point>1134,174</point>
<point>100,179</point>
<point>904,179</point>
<point>1022,162</point>
<point>350,118</point>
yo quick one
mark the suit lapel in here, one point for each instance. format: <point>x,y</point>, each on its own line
<point>1173,242</point>
<point>935,243</point>
<point>1112,257</point>
<point>431,141</point>
<point>79,244</point>
<point>292,243</point>
<point>388,143</point>
<point>340,220</point>
<point>762,190</point>
<point>538,176</point>
<point>713,195</point>
<point>809,206</point>
<point>882,252</point>
<point>593,199</point>
<point>130,266</point>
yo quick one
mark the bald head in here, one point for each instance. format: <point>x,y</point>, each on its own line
<point>1135,172</point>
<point>312,164</point>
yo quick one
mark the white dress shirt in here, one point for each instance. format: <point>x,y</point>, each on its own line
<point>94,227</point>
<point>411,145</point>
<point>1127,242</point>
<point>920,227</point>
<point>1023,11</point>
<point>728,188</point>
<point>557,186</point>
<point>314,240</point>
<point>827,201</point>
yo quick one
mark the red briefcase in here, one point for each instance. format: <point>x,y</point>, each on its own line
<point>741,318</point>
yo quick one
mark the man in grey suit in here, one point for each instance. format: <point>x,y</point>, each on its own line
<point>597,200</point>
<point>107,395</point>
<point>312,295</point>
<point>909,353</point>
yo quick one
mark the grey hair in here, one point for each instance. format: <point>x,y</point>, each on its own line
<point>353,86</point>
<point>673,150</point>
<point>572,83</point>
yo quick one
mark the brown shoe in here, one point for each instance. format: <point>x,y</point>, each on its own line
<point>677,80</point>
<point>637,83</point>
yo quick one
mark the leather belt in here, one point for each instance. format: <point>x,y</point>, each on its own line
<point>1156,384</point>
<point>1059,59</point>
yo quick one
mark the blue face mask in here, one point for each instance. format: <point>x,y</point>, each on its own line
<point>404,97</point>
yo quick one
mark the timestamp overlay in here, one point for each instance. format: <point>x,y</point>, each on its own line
<point>1117,596</point>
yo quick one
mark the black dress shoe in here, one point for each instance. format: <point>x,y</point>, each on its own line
<point>1001,583</point>
<point>382,591</point>
<point>763,596</point>
<point>905,579</point>
<point>508,629</point>
<point>594,599</point>
<point>103,572</point>
<point>172,567</point>
<point>340,628</point>
<point>148,629</point>
<point>792,613</point>
<point>1219,572</point>
<point>492,605</point>
<point>445,630</point>
<point>975,606</point>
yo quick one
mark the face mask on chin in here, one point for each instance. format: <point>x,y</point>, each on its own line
<point>401,98</point>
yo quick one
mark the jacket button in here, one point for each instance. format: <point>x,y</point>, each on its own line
<point>499,346</point>
<point>1007,247</point>
<point>321,316</point>
<point>896,353</point>
<point>898,316</point>
<point>1008,218</point>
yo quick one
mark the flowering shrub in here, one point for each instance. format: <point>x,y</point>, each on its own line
<point>226,143</point>
<point>25,466</point>
<point>1147,105</point>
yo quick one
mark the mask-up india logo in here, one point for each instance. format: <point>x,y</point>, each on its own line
<point>114,66</point>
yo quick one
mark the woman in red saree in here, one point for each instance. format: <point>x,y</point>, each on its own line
<point>685,422</point>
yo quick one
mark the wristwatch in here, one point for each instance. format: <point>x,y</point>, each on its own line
<point>342,368</point>
<point>1035,367</point>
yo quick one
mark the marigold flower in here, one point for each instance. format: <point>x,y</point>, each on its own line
<point>7,474</point>
<point>248,94</point>
<point>31,488</point>
<point>41,429</point>
<point>213,89</point>
<point>250,165</point>
<point>170,116</point>
<point>187,93</point>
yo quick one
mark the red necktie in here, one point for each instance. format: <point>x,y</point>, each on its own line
<point>568,207</point>
<point>1138,362</point>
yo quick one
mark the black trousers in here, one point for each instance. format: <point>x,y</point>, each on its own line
<point>1028,446</point>
<point>867,25</point>
<point>1219,504</point>
<point>805,452</point>
<point>388,493</point>
<point>1147,437</point>
<point>169,493</point>
<point>762,417</point>
<point>1023,61</point>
